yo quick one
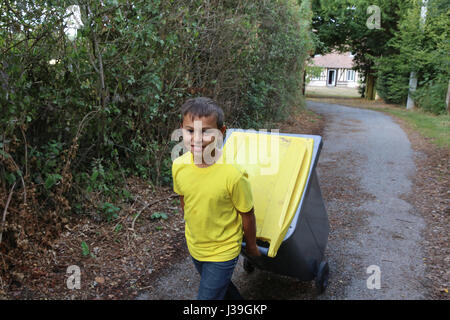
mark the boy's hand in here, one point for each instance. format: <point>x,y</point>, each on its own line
<point>252,250</point>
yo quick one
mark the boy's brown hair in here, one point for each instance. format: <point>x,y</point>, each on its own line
<point>203,107</point>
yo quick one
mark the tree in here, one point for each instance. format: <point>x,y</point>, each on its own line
<point>346,26</point>
<point>422,48</point>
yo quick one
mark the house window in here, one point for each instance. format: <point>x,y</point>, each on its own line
<point>350,75</point>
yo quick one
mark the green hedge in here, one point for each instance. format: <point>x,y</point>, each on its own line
<point>80,116</point>
<point>422,48</point>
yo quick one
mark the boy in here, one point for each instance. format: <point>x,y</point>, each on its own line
<point>216,199</point>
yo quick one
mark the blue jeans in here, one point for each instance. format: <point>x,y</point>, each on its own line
<point>215,283</point>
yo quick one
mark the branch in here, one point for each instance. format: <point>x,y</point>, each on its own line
<point>26,165</point>
<point>100,62</point>
<point>6,210</point>
<point>17,168</point>
<point>146,206</point>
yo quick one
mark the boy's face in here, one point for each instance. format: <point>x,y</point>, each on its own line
<point>195,137</point>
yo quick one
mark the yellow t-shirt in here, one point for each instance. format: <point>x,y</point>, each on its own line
<point>211,197</point>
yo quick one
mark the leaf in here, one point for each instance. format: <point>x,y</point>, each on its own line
<point>94,176</point>
<point>164,216</point>
<point>159,215</point>
<point>85,248</point>
<point>155,216</point>
<point>100,280</point>
<point>51,180</point>
<point>118,228</point>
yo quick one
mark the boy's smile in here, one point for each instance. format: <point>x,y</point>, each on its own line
<point>195,135</point>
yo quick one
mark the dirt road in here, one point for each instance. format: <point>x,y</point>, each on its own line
<point>365,172</point>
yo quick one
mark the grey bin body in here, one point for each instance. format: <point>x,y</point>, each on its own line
<point>301,253</point>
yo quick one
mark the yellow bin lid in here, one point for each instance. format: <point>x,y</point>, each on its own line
<point>278,168</point>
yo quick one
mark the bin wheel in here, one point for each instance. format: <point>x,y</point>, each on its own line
<point>248,267</point>
<point>322,277</point>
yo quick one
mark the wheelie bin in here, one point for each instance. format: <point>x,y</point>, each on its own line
<point>292,222</point>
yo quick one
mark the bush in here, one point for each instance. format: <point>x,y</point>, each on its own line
<point>79,116</point>
<point>392,80</point>
<point>431,95</point>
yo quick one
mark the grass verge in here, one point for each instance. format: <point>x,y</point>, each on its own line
<point>437,128</point>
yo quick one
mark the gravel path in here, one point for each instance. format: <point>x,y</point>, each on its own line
<point>388,232</point>
<point>365,172</point>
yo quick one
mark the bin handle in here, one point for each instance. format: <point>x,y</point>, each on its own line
<point>264,251</point>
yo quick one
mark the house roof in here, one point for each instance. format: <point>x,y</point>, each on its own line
<point>333,60</point>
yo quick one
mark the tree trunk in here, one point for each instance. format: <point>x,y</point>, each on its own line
<point>304,82</point>
<point>410,104</point>
<point>370,87</point>
<point>448,98</point>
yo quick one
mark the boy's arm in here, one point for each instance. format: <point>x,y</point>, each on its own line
<point>182,203</point>
<point>249,225</point>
